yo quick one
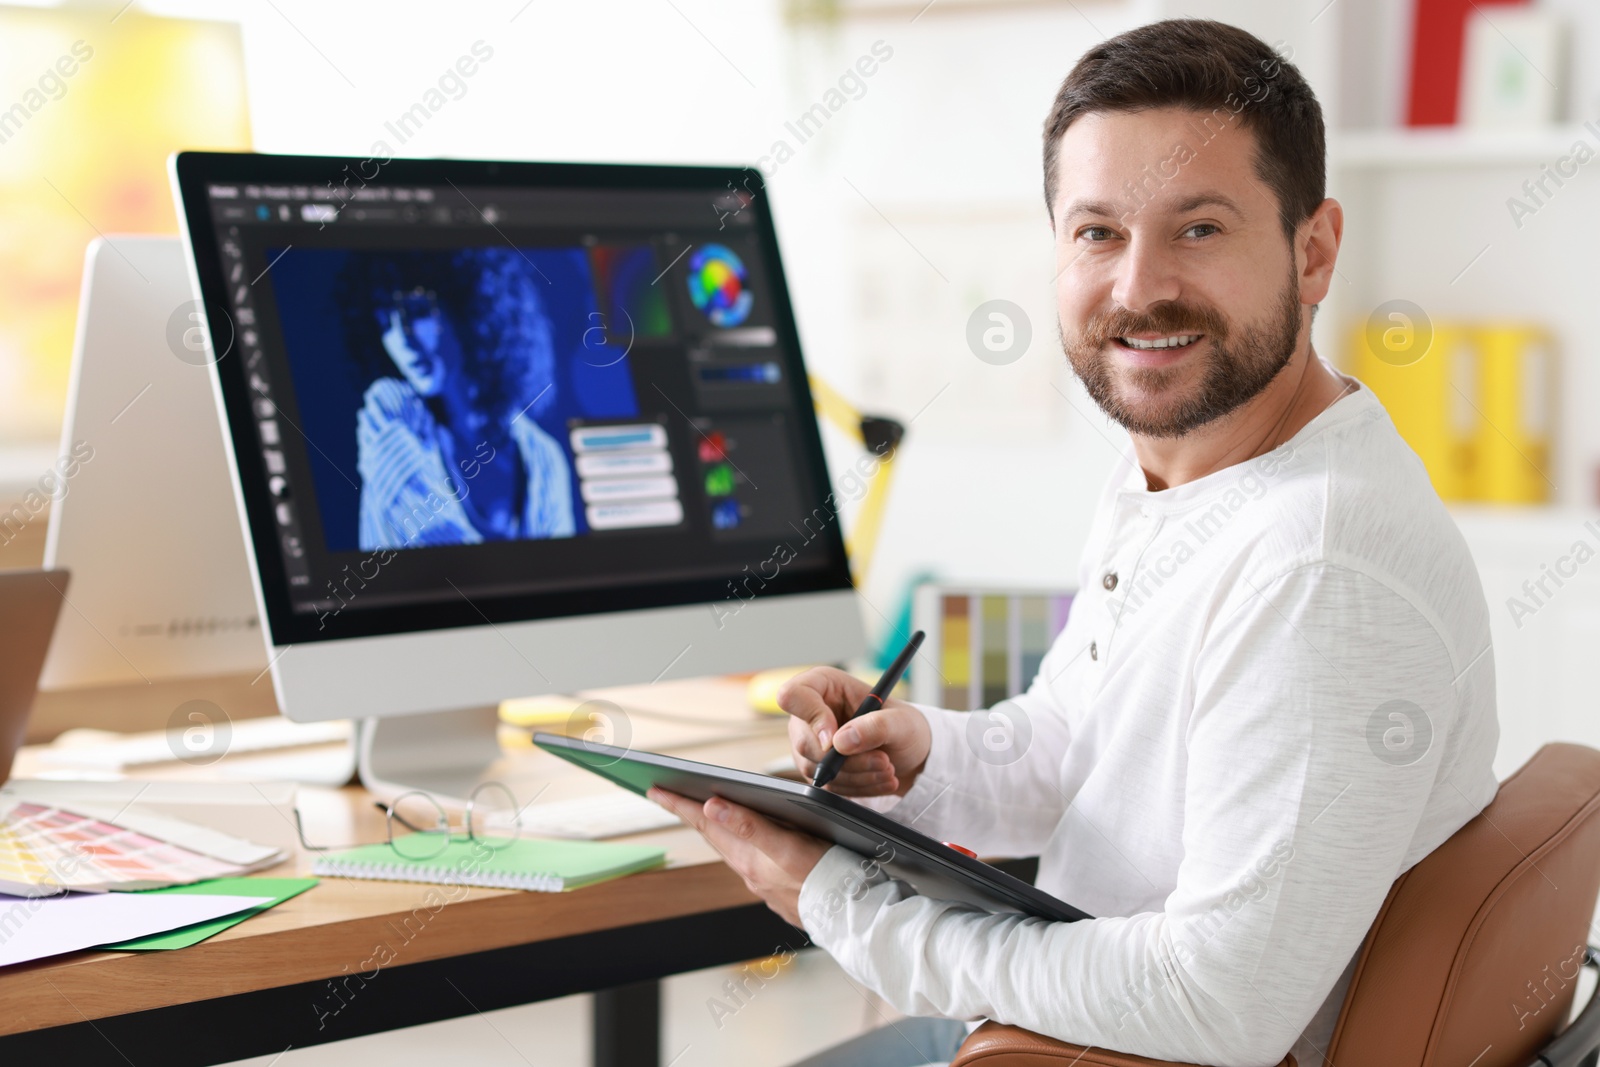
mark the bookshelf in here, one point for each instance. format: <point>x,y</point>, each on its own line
<point>1429,219</point>
<point>1448,147</point>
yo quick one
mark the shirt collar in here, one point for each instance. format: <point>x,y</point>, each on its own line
<point>1134,491</point>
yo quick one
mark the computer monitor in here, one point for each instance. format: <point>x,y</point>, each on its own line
<point>144,515</point>
<point>499,429</point>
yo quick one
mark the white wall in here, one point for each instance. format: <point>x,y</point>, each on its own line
<point>1544,638</point>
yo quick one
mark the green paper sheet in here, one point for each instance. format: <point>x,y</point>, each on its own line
<point>279,889</point>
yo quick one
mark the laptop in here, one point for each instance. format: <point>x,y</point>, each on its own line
<point>146,522</point>
<point>30,600</point>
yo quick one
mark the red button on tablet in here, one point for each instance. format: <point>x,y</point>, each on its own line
<point>964,851</point>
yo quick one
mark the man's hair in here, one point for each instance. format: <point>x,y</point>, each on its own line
<point>1206,66</point>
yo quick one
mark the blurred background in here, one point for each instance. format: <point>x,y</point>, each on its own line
<point>1461,139</point>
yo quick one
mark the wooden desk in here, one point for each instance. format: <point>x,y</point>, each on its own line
<point>350,958</point>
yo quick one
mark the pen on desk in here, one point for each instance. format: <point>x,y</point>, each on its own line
<point>832,760</point>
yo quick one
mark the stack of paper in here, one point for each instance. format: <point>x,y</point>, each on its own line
<point>33,929</point>
<point>274,890</point>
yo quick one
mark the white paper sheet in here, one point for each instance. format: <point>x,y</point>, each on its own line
<point>31,929</point>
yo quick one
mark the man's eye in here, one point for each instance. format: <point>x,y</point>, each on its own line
<point>1200,229</point>
<point>1096,233</point>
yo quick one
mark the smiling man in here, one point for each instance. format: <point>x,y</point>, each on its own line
<point>1275,692</point>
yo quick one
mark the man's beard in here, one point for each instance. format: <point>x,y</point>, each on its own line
<point>1230,374</point>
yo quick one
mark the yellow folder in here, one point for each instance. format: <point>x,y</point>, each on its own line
<point>1477,407</point>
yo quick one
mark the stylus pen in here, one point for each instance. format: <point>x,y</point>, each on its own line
<point>834,759</point>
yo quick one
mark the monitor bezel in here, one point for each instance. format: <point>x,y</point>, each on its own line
<point>195,171</point>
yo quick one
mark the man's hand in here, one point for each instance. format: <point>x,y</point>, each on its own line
<point>887,749</point>
<point>772,860</point>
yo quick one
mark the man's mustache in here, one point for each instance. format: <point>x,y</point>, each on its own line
<point>1169,318</point>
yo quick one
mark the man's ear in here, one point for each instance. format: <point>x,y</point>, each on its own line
<point>1316,250</point>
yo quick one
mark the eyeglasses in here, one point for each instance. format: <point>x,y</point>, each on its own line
<point>493,819</point>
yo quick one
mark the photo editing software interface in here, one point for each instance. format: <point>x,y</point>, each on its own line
<point>463,392</point>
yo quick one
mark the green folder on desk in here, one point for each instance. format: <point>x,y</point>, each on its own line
<point>525,863</point>
<point>279,889</point>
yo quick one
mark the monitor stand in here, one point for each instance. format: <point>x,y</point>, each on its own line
<point>446,753</point>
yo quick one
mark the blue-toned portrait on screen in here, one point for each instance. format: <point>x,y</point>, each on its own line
<point>461,369</point>
<point>446,450</point>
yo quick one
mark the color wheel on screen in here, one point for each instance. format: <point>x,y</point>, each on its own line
<point>719,286</point>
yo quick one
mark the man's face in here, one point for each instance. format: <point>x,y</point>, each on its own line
<point>426,353</point>
<point>1177,291</point>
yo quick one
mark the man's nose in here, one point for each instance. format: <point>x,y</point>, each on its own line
<point>1146,276</point>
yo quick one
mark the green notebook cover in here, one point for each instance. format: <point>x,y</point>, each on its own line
<point>526,863</point>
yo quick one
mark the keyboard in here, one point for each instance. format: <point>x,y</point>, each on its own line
<point>139,750</point>
<point>596,817</point>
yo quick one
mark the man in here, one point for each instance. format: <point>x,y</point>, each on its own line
<point>1275,692</point>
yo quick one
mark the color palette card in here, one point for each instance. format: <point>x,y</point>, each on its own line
<point>987,642</point>
<point>45,850</point>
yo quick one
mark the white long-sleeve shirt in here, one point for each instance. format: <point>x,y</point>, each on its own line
<point>1274,694</point>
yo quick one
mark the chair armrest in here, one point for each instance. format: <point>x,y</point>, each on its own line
<point>994,1045</point>
<point>1577,1043</point>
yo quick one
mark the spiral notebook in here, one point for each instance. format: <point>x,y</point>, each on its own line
<point>526,863</point>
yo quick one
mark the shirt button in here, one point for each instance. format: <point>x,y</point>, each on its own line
<point>1109,581</point>
<point>1094,651</point>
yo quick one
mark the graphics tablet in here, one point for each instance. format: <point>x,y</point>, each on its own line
<point>934,869</point>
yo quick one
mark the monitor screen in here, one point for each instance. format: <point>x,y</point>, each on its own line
<point>461,393</point>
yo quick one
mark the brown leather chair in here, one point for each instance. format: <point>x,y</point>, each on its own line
<point>1474,957</point>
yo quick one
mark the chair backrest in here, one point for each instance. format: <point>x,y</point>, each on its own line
<point>1474,957</point>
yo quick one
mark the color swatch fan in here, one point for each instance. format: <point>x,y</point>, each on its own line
<point>719,286</point>
<point>46,850</point>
